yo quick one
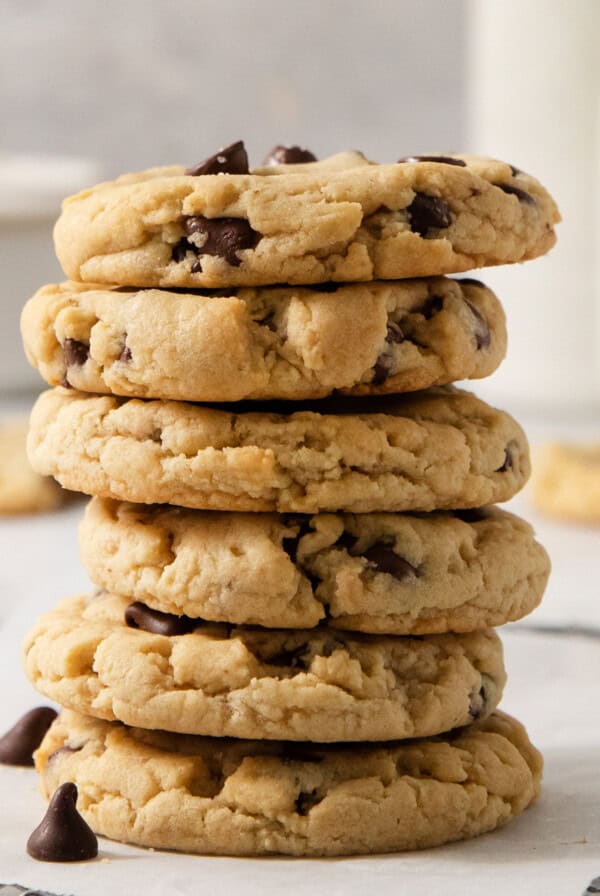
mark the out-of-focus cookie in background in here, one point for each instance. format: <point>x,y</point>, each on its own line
<point>22,490</point>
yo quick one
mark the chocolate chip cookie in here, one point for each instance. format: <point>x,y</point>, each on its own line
<point>440,449</point>
<point>285,342</point>
<point>566,481</point>
<point>197,794</point>
<point>380,572</point>
<point>21,489</point>
<point>341,219</point>
<point>108,658</point>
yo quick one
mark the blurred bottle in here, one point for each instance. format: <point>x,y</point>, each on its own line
<point>534,100</point>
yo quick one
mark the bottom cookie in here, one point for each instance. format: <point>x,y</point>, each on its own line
<point>235,797</point>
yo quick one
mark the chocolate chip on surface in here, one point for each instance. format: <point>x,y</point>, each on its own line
<point>76,352</point>
<point>478,704</point>
<point>443,160</point>
<point>521,195</point>
<point>509,461</point>
<point>232,159</point>
<point>426,212</point>
<point>138,615</point>
<point>384,559</point>
<point>125,355</point>
<point>18,744</point>
<point>482,333</point>
<point>381,371</point>
<point>305,802</point>
<point>289,155</point>
<point>63,835</point>
<point>224,237</point>
<point>181,249</point>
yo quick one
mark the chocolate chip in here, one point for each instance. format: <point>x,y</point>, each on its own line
<point>18,744</point>
<point>509,461</point>
<point>289,155</point>
<point>63,835</point>
<point>125,355</point>
<point>443,160</point>
<point>394,333</point>
<point>294,658</point>
<point>471,281</point>
<point>305,802</point>
<point>138,615</point>
<point>196,268</point>
<point>482,331</point>
<point>478,704</point>
<point>432,306</point>
<point>224,237</point>
<point>521,195</point>
<point>348,542</point>
<point>471,515</point>
<point>76,353</point>
<point>62,751</point>
<point>232,159</point>
<point>381,370</point>
<point>426,212</point>
<point>514,170</point>
<point>384,559</point>
<point>180,250</point>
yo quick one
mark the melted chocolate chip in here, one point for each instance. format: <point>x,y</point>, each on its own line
<point>232,159</point>
<point>443,160</point>
<point>509,461</point>
<point>305,802</point>
<point>432,306</point>
<point>63,835</point>
<point>294,658</point>
<point>426,212</point>
<point>521,195</point>
<point>471,281</point>
<point>138,615</point>
<point>289,155</point>
<point>224,237</point>
<point>76,353</point>
<point>478,704</point>
<point>125,355</point>
<point>384,559</point>
<point>18,744</point>
<point>471,515</point>
<point>482,334</point>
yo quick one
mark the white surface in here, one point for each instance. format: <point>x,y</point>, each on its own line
<point>533,98</point>
<point>553,688</point>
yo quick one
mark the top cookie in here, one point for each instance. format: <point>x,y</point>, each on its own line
<point>341,219</point>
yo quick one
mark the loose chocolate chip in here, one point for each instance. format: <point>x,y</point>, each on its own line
<point>384,559</point>
<point>76,353</point>
<point>482,331</point>
<point>472,515</point>
<point>18,744</point>
<point>471,281</point>
<point>138,615</point>
<point>294,658</point>
<point>232,159</point>
<point>432,306</point>
<point>224,237</point>
<point>289,155</point>
<point>426,212</point>
<point>181,249</point>
<point>443,160</point>
<point>125,355</point>
<point>63,835</point>
<point>305,802</point>
<point>478,704</point>
<point>521,195</point>
<point>509,461</point>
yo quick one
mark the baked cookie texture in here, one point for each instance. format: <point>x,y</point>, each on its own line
<point>285,342</point>
<point>341,219</point>
<point>21,489</point>
<point>222,680</point>
<point>566,481</point>
<point>229,797</point>
<point>442,449</point>
<point>380,572</point>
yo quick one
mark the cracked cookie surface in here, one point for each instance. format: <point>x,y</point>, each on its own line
<point>318,685</point>
<point>202,795</point>
<point>441,449</point>
<point>381,572</point>
<point>341,219</point>
<point>286,342</point>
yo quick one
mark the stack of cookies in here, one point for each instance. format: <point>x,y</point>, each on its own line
<point>298,565</point>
